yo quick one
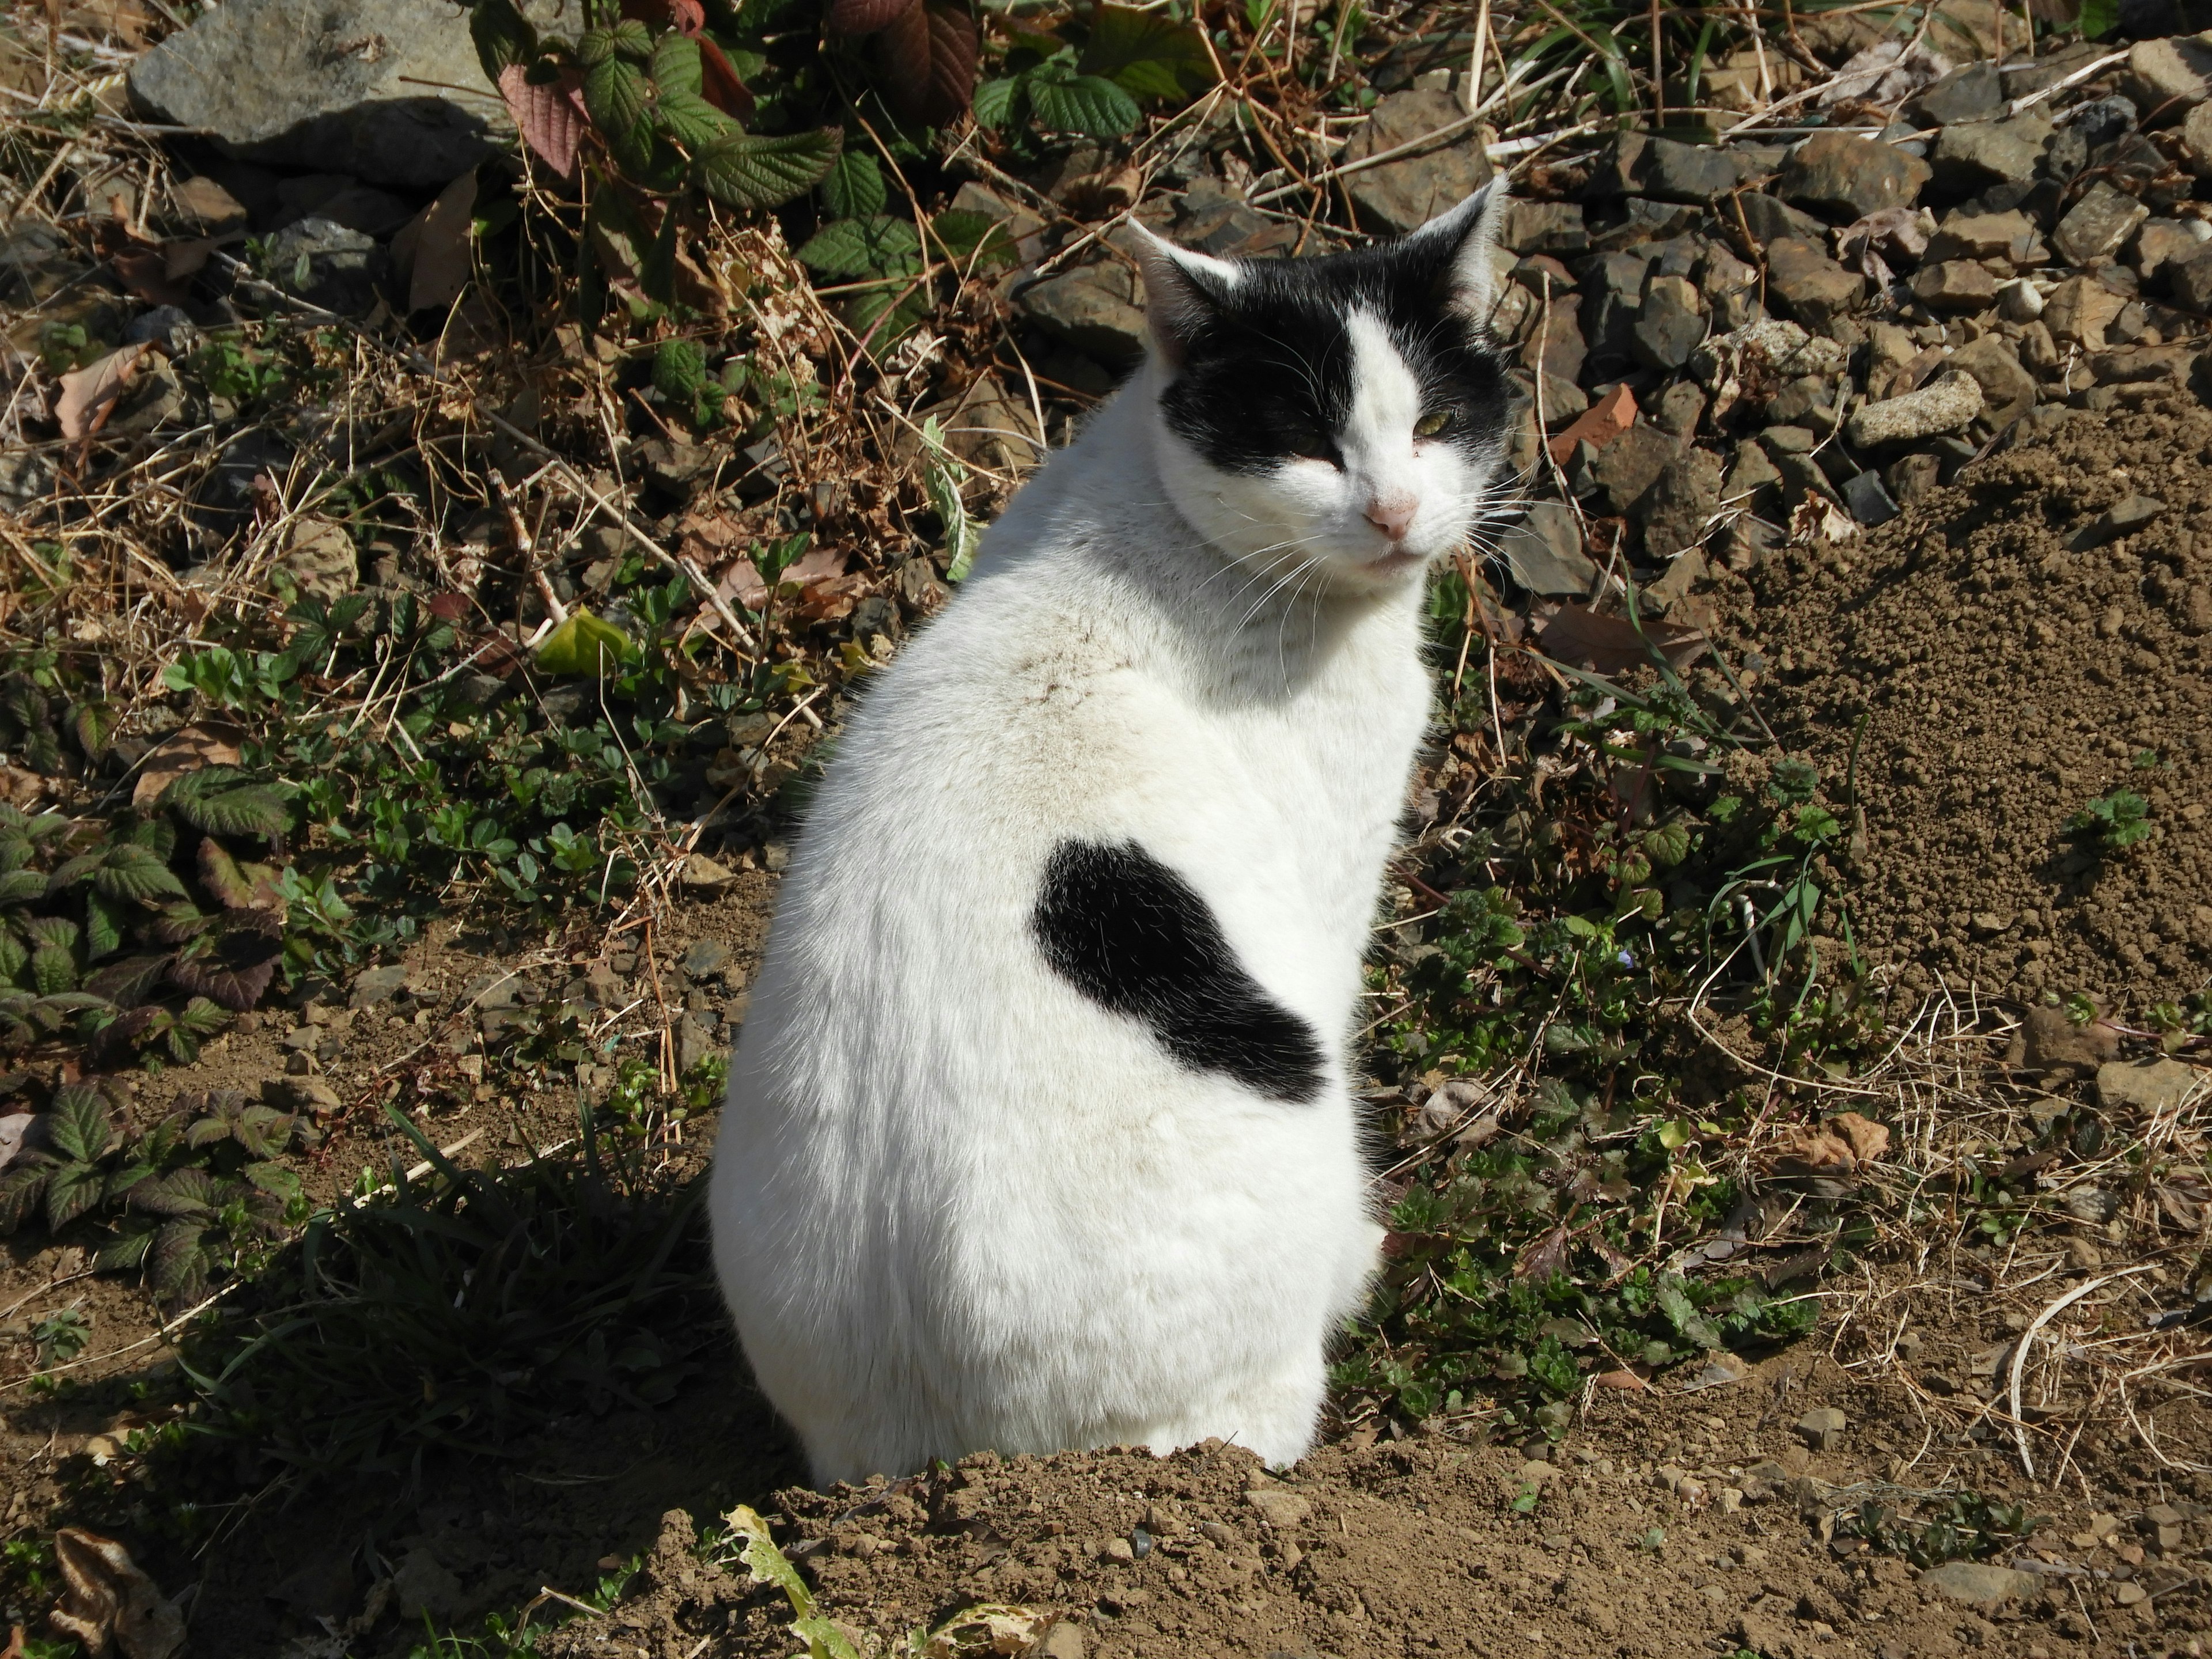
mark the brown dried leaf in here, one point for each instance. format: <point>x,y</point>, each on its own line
<point>1543,1256</point>
<point>88,394</point>
<point>1580,637</point>
<point>1868,1140</point>
<point>550,118</point>
<point>928,56</point>
<point>144,273</point>
<point>110,1601</point>
<point>212,743</point>
<point>820,564</point>
<point>741,581</point>
<point>1841,1147</point>
<point>436,244</point>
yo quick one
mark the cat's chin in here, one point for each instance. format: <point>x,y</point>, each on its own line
<point>1386,574</point>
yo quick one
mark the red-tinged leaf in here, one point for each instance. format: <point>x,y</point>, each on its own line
<point>1608,645</point>
<point>89,393</point>
<point>686,17</point>
<point>550,118</point>
<point>144,272</point>
<point>1542,1256</point>
<point>929,57</point>
<point>718,82</point>
<point>867,16</point>
<point>129,982</point>
<point>447,607</point>
<point>234,965</point>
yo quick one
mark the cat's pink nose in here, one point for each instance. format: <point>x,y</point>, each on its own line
<point>1392,514</point>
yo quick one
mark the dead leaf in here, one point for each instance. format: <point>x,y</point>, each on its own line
<point>741,581</point>
<point>189,258</point>
<point>89,393</point>
<point>1839,1148</point>
<point>110,1602</point>
<point>1869,1140</point>
<point>1598,425</point>
<point>550,118</point>
<point>433,246</point>
<point>144,273</point>
<point>215,744</point>
<point>1580,637</point>
<point>1623,1379</point>
<point>1543,1257</point>
<point>820,564</point>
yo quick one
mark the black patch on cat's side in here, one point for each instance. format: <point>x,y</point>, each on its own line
<point>1267,361</point>
<point>1136,938</point>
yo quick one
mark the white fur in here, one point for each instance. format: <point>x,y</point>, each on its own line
<point>956,1205</point>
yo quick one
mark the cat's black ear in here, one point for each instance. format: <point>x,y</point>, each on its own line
<point>1183,292</point>
<point>1463,242</point>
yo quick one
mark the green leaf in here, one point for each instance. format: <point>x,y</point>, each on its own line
<point>1088,103</point>
<point>632,39</point>
<point>747,171</point>
<point>584,644</point>
<point>53,970</point>
<point>129,982</point>
<point>1146,53</point>
<point>13,958</point>
<point>19,886</point>
<point>995,101</point>
<point>180,1261</point>
<point>81,1126</point>
<point>71,1189</point>
<point>656,272</point>
<point>875,246</point>
<point>692,121</point>
<point>132,871</point>
<point>95,724</point>
<point>503,36</point>
<point>854,187</point>
<point>256,810</point>
<point>619,99</point>
<point>973,237</point>
<point>676,66</point>
<point>2098,18</point>
<point>679,370</point>
<point>103,927</point>
<point>19,1192</point>
<point>274,1179</point>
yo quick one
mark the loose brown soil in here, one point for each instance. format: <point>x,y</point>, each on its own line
<point>2004,680</point>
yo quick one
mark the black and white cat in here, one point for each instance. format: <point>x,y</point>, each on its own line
<point>1040,1133</point>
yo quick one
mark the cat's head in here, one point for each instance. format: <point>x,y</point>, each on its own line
<point>1348,410</point>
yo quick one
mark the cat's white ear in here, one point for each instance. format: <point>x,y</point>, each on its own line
<point>1467,237</point>
<point>1180,290</point>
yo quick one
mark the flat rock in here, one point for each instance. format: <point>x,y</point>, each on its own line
<point>1675,172</point>
<point>1685,495</point>
<point>1847,177</point>
<point>1979,1583</point>
<point>1095,309</point>
<point>389,91</point>
<point>1970,156</point>
<point>1956,287</point>
<point>1767,219</point>
<point>701,874</point>
<point>2008,389</point>
<point>1404,195</point>
<point>2168,78</point>
<point>2189,281</point>
<point>1545,553</point>
<point>2158,242</point>
<point>2080,308</point>
<point>2049,1041</point>
<point>2009,235</point>
<point>1946,405</point>
<point>1822,1427</point>
<point>1777,348</point>
<point>1631,464</point>
<point>376,984</point>
<point>1278,1509</point>
<point>1669,326</point>
<point>2154,1085</point>
<point>1966,93</point>
<point>2096,226</point>
<point>1552,227</point>
<point>705,958</point>
<point>1868,500</point>
<point>1815,288</point>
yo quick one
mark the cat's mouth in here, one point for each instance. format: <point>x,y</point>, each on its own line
<point>1394,564</point>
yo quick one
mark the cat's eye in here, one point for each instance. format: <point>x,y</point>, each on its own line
<point>1433,424</point>
<point>1307,441</point>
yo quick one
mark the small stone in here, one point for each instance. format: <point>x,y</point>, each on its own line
<point>1753,478</point>
<point>1867,501</point>
<point>1062,1641</point>
<point>1915,477</point>
<point>1670,325</point>
<point>1118,1549</point>
<point>694,1043</point>
<point>2051,1040</point>
<point>1625,468</point>
<point>1678,509</point>
<point>2196,140</point>
<point>2098,224</point>
<point>206,206</point>
<point>706,958</point>
<point>2008,389</point>
<point>2019,301</point>
<point>1966,93</point>
<point>1848,178</point>
<point>1979,1583</point>
<point>1821,1428</point>
<point>1768,219</point>
<point>2189,280</point>
<point>1676,171</point>
<point>326,265</point>
<point>376,984</point>
<point>1815,288</point>
<point>424,1587</point>
<point>1956,286</point>
<point>1946,405</point>
<point>2123,518</point>
<point>1278,1509</point>
<point>1988,924</point>
<point>1554,228</point>
<point>1970,156</point>
<point>1776,349</point>
<point>1545,553</point>
<point>2169,78</point>
<point>2009,236</point>
<point>1095,309</point>
<point>2158,242</point>
<point>1402,196</point>
<point>301,1093</point>
<point>2154,1086</point>
<point>1680,408</point>
<point>703,875</point>
<point>2103,121</point>
<point>2080,308</point>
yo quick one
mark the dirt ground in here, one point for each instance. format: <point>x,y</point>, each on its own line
<point>2004,680</point>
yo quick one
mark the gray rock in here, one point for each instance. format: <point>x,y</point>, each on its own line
<point>1822,1427</point>
<point>2008,389</point>
<point>2103,121</point>
<point>2152,1086</point>
<point>301,1093</point>
<point>1631,464</point>
<point>2097,224</point>
<point>1946,405</point>
<point>1676,510</point>
<point>1971,155</point>
<point>2158,242</point>
<point>1545,553</point>
<point>1979,1583</point>
<point>1688,172</point>
<point>1680,408</point>
<point>1985,236</point>
<point>376,984</point>
<point>1400,195</point>
<point>34,264</point>
<point>1966,93</point>
<point>2169,78</point>
<point>1094,309</point>
<point>1955,287</point>
<point>387,90</point>
<point>425,1587</point>
<point>1777,349</point>
<point>2123,517</point>
<point>1767,219</point>
<point>2189,281</point>
<point>1552,227</point>
<point>706,958</point>
<point>694,1042</point>
<point>1753,479</point>
<point>1669,326</point>
<point>25,476</point>
<point>328,265</point>
<point>1816,290</point>
<point>1848,178</point>
<point>1867,501</point>
<point>1915,477</point>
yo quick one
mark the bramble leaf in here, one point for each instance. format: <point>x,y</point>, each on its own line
<point>745,170</point>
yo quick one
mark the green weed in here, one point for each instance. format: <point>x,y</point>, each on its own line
<point>1965,1527</point>
<point>2110,824</point>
